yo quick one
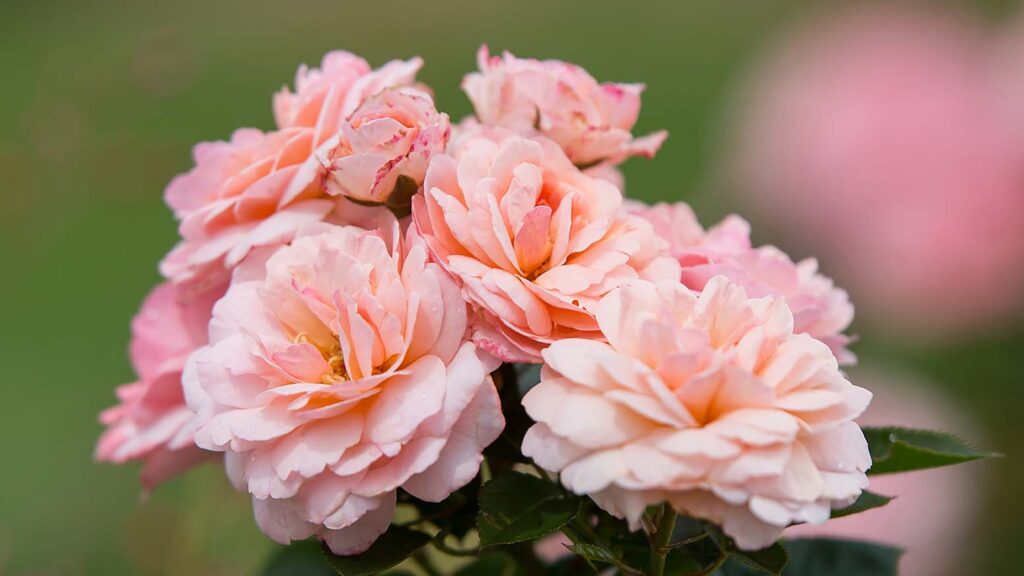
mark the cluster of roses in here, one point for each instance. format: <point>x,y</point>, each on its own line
<point>346,284</point>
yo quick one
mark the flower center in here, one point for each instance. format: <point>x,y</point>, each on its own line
<point>331,355</point>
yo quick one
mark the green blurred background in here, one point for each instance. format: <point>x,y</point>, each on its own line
<point>101,103</point>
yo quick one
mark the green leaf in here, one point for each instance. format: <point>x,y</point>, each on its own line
<point>866,501</point>
<point>457,512</point>
<point>492,564</point>
<point>902,449</point>
<point>305,558</point>
<point>506,451</point>
<point>821,556</point>
<point>389,550</point>
<point>817,556</point>
<point>516,507</point>
<point>595,553</point>
<point>528,377</point>
<point>770,560</point>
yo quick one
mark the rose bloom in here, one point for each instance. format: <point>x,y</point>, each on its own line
<point>387,141</point>
<point>259,188</point>
<point>339,377</point>
<point>819,307</point>
<point>880,135</point>
<point>152,424</point>
<point>708,402</point>
<point>326,97</point>
<point>534,242</point>
<point>592,122</point>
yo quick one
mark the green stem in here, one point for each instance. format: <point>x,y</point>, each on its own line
<point>659,548</point>
<point>722,557</point>
<point>688,541</point>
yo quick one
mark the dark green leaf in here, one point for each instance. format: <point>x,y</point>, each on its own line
<point>492,564</point>
<point>682,563</point>
<point>770,560</point>
<point>903,449</point>
<point>516,507</point>
<point>389,550</point>
<point>505,452</point>
<point>866,501</point>
<point>457,512</point>
<point>528,377</point>
<point>818,556</point>
<point>305,558</point>
<point>824,556</point>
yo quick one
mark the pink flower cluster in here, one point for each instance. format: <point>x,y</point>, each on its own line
<point>371,267</point>
<point>819,308</point>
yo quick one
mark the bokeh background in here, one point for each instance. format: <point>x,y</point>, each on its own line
<point>845,155</point>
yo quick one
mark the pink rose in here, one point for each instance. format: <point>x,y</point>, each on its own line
<point>338,378</point>
<point>325,97</point>
<point>708,402</point>
<point>385,146</point>
<point>260,188</point>
<point>592,122</point>
<point>819,307</point>
<point>152,424</point>
<point>534,242</point>
<point>255,190</point>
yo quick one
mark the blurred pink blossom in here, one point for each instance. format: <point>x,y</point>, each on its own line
<point>882,137</point>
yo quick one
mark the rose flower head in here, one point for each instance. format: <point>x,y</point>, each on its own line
<point>152,424</point>
<point>237,198</point>
<point>339,377</point>
<point>325,97</point>
<point>260,188</point>
<point>705,401</point>
<point>534,242</point>
<point>819,307</point>
<point>592,122</point>
<point>383,149</point>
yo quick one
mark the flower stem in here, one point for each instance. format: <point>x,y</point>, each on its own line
<point>659,547</point>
